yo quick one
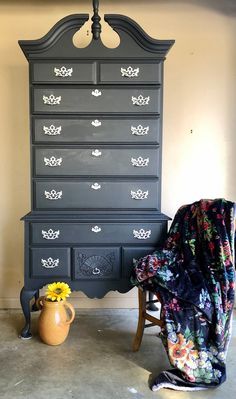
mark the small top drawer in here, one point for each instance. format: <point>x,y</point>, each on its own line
<point>63,72</point>
<point>130,73</point>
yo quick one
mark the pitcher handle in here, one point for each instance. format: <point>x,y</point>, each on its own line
<point>39,302</point>
<point>71,308</point>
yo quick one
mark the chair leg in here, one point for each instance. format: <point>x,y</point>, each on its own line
<point>142,295</point>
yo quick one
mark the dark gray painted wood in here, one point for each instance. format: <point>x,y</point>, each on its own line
<point>64,72</point>
<point>129,254</point>
<point>50,262</point>
<point>130,73</point>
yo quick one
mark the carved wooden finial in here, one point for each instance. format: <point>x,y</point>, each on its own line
<point>96,26</point>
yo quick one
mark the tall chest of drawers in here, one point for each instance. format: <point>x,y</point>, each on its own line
<point>96,130</point>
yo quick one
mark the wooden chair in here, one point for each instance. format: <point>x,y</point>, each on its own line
<point>144,305</point>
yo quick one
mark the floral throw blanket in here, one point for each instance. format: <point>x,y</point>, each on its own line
<point>194,274</point>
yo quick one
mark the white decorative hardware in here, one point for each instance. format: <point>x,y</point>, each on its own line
<point>53,161</point>
<point>142,234</point>
<point>96,93</point>
<point>139,194</point>
<point>53,194</point>
<point>52,130</point>
<point>96,186</point>
<point>140,162</point>
<point>96,229</point>
<point>63,71</point>
<point>52,100</point>
<point>139,130</point>
<point>96,123</point>
<point>50,234</point>
<point>96,270</point>
<point>50,263</point>
<point>96,153</point>
<point>129,72</point>
<point>140,100</point>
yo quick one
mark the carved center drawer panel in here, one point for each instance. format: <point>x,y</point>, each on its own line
<point>98,194</point>
<point>130,73</point>
<point>99,99</point>
<point>96,161</point>
<point>63,72</point>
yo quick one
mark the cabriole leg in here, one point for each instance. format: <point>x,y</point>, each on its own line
<point>25,298</point>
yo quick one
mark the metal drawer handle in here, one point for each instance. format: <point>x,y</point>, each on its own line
<point>50,263</point>
<point>50,234</point>
<point>140,162</point>
<point>53,161</point>
<point>129,72</point>
<point>96,270</point>
<point>96,93</point>
<point>96,123</point>
<point>96,186</point>
<point>96,229</point>
<point>139,130</point>
<point>63,71</point>
<point>96,153</point>
<point>140,100</point>
<point>52,130</point>
<point>142,234</point>
<point>53,194</point>
<point>139,194</point>
<point>52,100</point>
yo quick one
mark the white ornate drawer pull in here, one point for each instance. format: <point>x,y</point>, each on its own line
<point>139,130</point>
<point>52,161</point>
<point>52,100</point>
<point>96,229</point>
<point>96,270</point>
<point>50,234</point>
<point>129,72</point>
<point>96,186</point>
<point>52,130</point>
<point>96,153</point>
<point>139,194</point>
<point>96,93</point>
<point>96,123</point>
<point>140,162</point>
<point>140,100</point>
<point>53,194</point>
<point>63,71</point>
<point>50,263</point>
<point>142,234</point>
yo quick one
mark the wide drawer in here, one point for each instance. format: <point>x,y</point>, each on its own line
<point>96,263</point>
<point>128,73</point>
<point>63,72</point>
<point>97,130</point>
<point>98,194</point>
<point>96,161</point>
<point>97,232</point>
<point>77,100</point>
<point>50,262</point>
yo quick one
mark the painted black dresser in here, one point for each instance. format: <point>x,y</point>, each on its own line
<point>96,129</point>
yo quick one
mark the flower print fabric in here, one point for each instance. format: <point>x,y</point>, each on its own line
<point>194,275</point>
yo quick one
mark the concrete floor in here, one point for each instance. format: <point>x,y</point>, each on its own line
<point>95,362</point>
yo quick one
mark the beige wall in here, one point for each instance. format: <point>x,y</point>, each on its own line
<point>200,97</point>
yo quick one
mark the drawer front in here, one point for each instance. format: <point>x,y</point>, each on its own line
<point>130,73</point>
<point>96,161</point>
<point>76,100</point>
<point>96,130</point>
<point>63,72</point>
<point>97,232</point>
<point>96,263</point>
<point>96,195</point>
<point>131,253</point>
<point>50,262</point>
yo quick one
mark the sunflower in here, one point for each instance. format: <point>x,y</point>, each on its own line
<point>57,291</point>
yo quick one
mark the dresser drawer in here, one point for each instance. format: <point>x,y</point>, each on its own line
<point>97,232</point>
<point>96,162</point>
<point>131,253</point>
<point>77,100</point>
<point>63,72</point>
<point>130,73</point>
<point>96,263</point>
<point>50,262</point>
<point>98,194</point>
<point>96,130</point>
